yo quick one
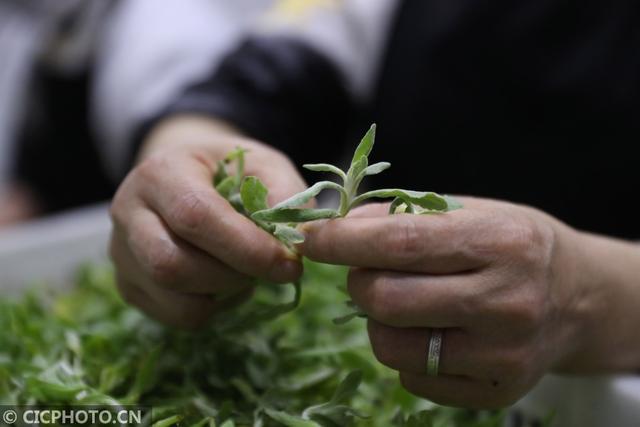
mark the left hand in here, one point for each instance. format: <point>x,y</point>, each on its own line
<point>499,277</point>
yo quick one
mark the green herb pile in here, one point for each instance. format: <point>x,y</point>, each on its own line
<point>87,346</point>
<point>250,367</point>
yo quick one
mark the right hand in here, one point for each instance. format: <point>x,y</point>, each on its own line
<point>181,252</point>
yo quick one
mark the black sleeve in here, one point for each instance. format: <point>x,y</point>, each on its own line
<point>279,91</point>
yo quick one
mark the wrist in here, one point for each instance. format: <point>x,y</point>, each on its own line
<point>604,308</point>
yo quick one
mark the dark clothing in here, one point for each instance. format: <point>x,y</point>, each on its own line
<point>535,102</point>
<point>57,155</point>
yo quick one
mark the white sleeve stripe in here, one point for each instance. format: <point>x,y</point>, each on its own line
<point>149,53</point>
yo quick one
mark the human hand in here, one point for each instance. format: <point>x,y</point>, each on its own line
<point>181,252</point>
<point>499,278</point>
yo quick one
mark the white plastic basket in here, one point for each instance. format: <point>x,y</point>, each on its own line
<point>581,402</point>
<point>51,249</point>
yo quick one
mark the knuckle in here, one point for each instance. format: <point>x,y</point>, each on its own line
<point>526,312</point>
<point>377,297</point>
<point>149,168</point>
<point>403,241</point>
<point>529,315</point>
<point>472,304</point>
<point>163,264</point>
<point>117,210</point>
<point>189,214</point>
<point>114,210</point>
<point>521,239</point>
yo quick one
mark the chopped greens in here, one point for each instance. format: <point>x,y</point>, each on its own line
<point>86,346</point>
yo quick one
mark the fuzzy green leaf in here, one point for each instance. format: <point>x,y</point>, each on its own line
<point>289,420</point>
<point>396,206</point>
<point>221,173</point>
<point>399,206</point>
<point>348,387</point>
<point>356,173</point>
<point>453,203</point>
<point>365,146</point>
<point>253,194</point>
<point>308,194</point>
<point>226,186</point>
<point>324,167</point>
<point>335,412</point>
<point>145,375</point>
<point>346,318</point>
<point>235,154</point>
<point>168,422</point>
<point>375,169</point>
<point>288,235</point>
<point>293,215</point>
<point>420,419</point>
<point>426,200</point>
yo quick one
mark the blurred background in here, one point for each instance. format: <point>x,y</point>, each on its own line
<point>481,86</point>
<point>77,77</point>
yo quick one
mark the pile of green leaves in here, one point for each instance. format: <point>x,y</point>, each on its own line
<point>86,346</point>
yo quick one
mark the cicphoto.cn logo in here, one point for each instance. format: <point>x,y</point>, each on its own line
<point>77,415</point>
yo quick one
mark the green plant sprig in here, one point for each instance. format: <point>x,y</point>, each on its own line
<point>290,211</point>
<point>249,195</point>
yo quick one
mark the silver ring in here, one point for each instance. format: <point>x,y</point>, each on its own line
<point>433,353</point>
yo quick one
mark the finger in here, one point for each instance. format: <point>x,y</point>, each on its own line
<point>136,288</point>
<point>411,300</point>
<point>457,391</point>
<point>171,308</point>
<point>370,210</point>
<point>406,349</point>
<point>195,212</point>
<point>157,258</point>
<point>436,244</point>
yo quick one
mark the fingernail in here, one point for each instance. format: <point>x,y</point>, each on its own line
<point>307,228</point>
<point>291,255</point>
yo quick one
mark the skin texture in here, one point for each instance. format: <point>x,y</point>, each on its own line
<point>518,293</point>
<point>181,252</point>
